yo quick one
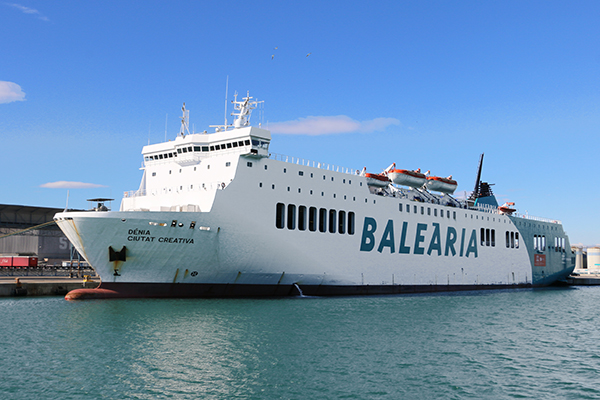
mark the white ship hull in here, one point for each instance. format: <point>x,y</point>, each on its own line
<point>217,215</point>
<point>244,253</point>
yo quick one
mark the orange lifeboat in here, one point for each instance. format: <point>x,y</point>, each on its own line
<point>407,177</point>
<point>443,185</point>
<point>378,180</point>
<point>507,209</point>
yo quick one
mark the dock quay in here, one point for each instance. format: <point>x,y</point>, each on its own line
<point>39,282</point>
<point>584,279</point>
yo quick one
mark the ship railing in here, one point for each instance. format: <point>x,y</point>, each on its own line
<point>314,164</point>
<point>134,193</point>
<point>540,219</point>
<point>487,208</point>
<point>494,210</point>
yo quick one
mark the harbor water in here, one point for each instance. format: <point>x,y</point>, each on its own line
<point>476,345</point>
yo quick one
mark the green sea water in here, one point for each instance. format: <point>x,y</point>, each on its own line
<point>537,344</point>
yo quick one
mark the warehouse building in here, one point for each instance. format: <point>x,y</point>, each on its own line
<point>31,231</point>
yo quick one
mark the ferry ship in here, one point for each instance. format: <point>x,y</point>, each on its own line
<point>218,215</point>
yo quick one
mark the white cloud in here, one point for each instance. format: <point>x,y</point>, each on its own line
<point>10,92</point>
<point>323,125</point>
<point>70,185</point>
<point>27,10</point>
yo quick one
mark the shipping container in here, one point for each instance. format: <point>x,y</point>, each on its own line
<point>5,261</point>
<point>24,261</point>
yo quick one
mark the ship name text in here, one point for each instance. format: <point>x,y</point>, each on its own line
<point>463,243</point>
<point>143,235</point>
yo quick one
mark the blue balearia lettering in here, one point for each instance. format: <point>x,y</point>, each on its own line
<point>368,238</point>
<point>437,244</point>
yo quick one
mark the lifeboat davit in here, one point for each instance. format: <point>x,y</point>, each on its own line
<point>443,185</point>
<point>379,180</point>
<point>506,208</point>
<point>407,177</point>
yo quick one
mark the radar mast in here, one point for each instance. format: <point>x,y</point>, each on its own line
<point>185,121</point>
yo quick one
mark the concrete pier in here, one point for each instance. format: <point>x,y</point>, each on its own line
<point>42,285</point>
<point>584,280</point>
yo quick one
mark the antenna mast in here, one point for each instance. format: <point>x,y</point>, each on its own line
<point>185,121</point>
<point>226,89</point>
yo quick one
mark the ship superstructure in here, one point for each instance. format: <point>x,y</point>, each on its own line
<point>218,214</point>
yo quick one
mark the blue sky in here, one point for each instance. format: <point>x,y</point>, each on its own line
<point>429,84</point>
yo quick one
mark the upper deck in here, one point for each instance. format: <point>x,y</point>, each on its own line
<point>163,178</point>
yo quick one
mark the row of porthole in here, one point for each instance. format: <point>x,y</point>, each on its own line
<point>314,219</point>
<point>488,237</point>
<point>512,240</point>
<point>435,211</point>
<point>227,164</point>
<point>301,173</point>
<point>260,185</point>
